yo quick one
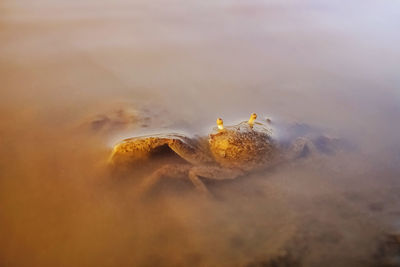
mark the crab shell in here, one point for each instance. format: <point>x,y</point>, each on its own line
<point>242,146</point>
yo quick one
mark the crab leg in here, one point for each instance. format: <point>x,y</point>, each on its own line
<point>172,171</point>
<point>216,173</point>
<point>198,183</point>
<point>301,148</point>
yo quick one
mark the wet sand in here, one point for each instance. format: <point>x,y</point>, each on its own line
<point>68,69</point>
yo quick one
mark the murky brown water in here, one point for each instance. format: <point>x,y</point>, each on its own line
<point>178,65</point>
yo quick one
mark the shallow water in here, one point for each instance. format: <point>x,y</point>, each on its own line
<point>177,66</point>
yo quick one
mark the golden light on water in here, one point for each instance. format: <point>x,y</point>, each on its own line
<point>78,77</point>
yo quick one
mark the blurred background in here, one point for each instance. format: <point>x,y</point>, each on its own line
<point>174,65</point>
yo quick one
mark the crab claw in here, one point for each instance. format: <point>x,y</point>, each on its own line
<point>220,124</point>
<point>253,117</point>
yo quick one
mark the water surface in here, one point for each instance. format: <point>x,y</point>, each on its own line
<point>177,66</point>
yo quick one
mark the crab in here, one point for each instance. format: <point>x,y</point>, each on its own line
<point>226,153</point>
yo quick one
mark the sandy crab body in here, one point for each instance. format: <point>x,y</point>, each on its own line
<point>228,152</point>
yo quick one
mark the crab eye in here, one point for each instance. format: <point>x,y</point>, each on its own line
<point>253,117</point>
<point>220,124</point>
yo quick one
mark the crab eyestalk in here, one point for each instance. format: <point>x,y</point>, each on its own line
<point>253,117</point>
<point>220,124</point>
